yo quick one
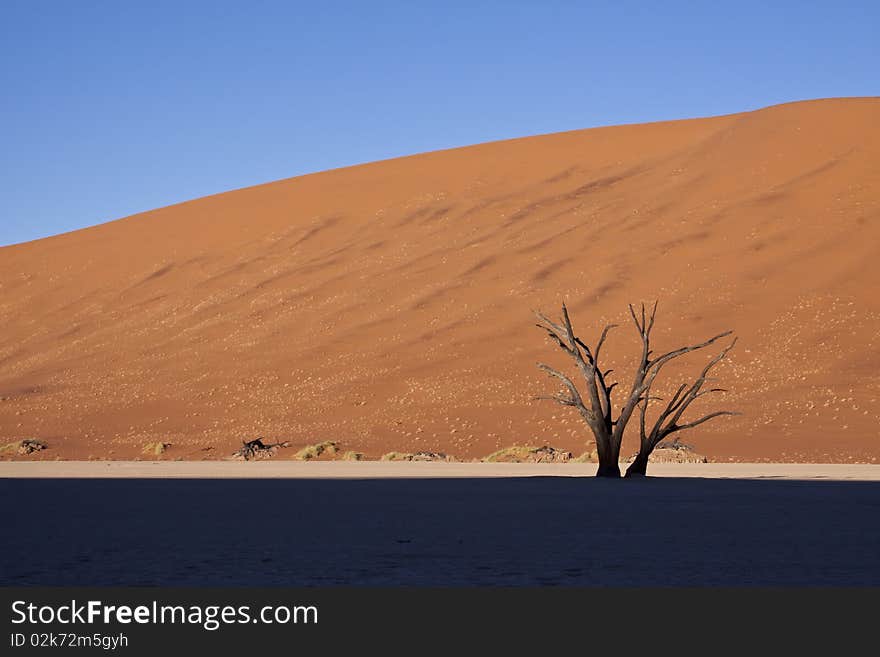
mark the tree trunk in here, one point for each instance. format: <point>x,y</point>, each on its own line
<point>608,459</point>
<point>608,470</point>
<point>638,467</point>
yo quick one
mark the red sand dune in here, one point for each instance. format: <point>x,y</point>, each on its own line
<point>387,306</point>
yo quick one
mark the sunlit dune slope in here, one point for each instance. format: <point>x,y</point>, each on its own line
<point>388,306</point>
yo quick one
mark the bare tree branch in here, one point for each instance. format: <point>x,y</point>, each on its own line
<point>574,398</point>
<point>602,339</point>
<point>705,418</point>
<point>695,388</point>
<point>665,358</point>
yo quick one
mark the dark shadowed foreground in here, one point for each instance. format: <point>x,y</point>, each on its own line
<point>523,531</point>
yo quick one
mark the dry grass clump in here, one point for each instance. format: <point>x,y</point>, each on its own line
<point>590,456</point>
<point>674,452</point>
<point>155,449</point>
<point>396,456</point>
<point>353,456</point>
<point>309,452</point>
<point>515,454</point>
<point>522,454</point>
<point>417,456</point>
<point>24,447</point>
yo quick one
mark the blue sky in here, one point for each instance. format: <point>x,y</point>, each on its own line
<point>113,108</point>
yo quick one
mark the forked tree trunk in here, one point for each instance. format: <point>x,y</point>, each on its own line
<point>639,467</point>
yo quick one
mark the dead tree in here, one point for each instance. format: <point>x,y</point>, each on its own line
<point>595,406</point>
<point>254,449</point>
<point>250,447</point>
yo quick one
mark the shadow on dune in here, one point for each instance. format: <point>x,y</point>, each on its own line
<point>523,531</point>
